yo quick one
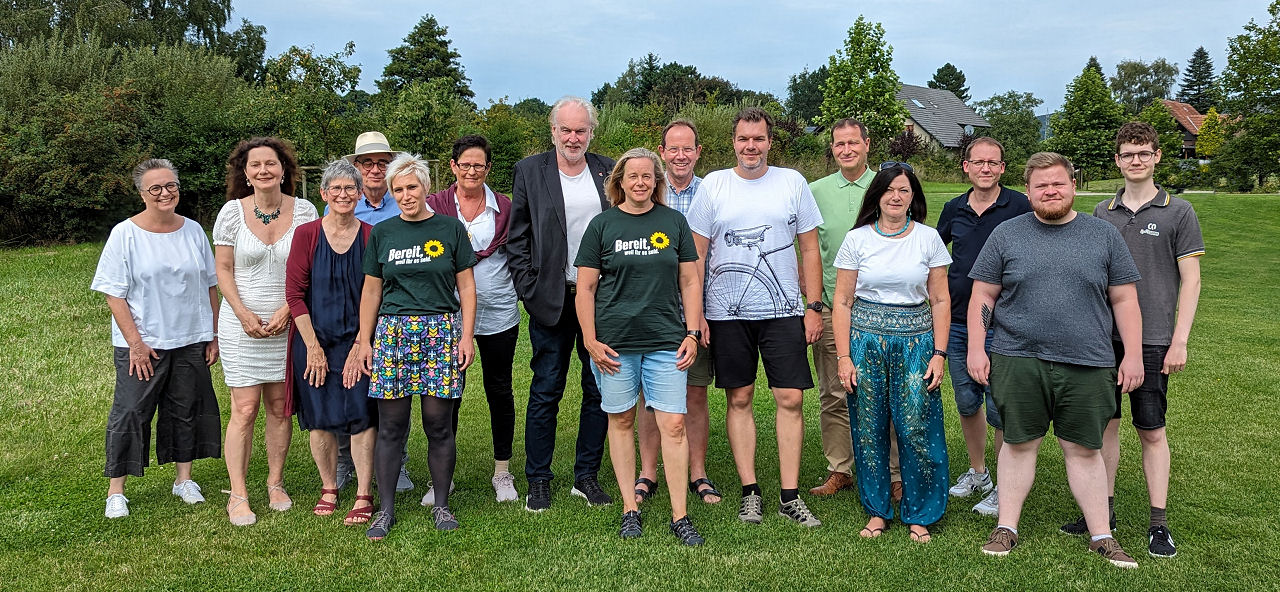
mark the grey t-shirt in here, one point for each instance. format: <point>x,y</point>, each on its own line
<point>1053,302</point>
<point>1161,233</point>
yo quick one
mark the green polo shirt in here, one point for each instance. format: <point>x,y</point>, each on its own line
<point>839,201</point>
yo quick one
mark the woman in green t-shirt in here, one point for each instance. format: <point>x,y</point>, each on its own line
<point>636,265</point>
<point>417,316</point>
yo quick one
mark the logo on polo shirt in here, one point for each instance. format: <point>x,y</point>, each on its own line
<point>1150,229</point>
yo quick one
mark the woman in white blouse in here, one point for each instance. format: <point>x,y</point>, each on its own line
<point>892,302</point>
<point>157,272</point>
<point>252,236</point>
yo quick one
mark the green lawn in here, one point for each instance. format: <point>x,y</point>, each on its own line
<point>55,358</point>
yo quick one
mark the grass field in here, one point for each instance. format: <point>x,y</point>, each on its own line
<point>55,358</point>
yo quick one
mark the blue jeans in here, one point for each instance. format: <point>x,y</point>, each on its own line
<point>552,345</point>
<point>969,394</point>
<point>655,372</point>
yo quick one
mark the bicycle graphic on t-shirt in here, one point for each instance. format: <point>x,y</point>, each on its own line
<point>744,291</point>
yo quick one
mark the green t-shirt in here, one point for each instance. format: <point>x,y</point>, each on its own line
<point>839,201</point>
<point>639,256</point>
<point>418,263</point>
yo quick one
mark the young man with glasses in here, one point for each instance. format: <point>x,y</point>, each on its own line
<point>966,223</point>
<point>1163,235</point>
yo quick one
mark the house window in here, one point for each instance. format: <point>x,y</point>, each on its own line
<point>911,129</point>
<point>918,103</point>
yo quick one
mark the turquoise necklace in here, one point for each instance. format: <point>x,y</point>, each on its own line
<point>876,226</point>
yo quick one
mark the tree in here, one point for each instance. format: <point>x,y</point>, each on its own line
<point>1212,134</point>
<point>949,77</point>
<point>425,118</point>
<point>1170,145</point>
<point>1199,89</point>
<point>307,88</point>
<point>1094,65</point>
<point>425,56</point>
<point>670,86</point>
<point>1137,83</point>
<point>905,145</point>
<point>1085,129</point>
<point>1013,122</point>
<point>804,93</point>
<point>247,49</point>
<point>1250,80</point>
<point>862,83</point>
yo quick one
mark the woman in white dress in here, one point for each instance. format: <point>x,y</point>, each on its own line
<point>251,240</point>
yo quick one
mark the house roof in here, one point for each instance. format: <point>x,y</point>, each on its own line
<point>1186,115</point>
<point>940,113</point>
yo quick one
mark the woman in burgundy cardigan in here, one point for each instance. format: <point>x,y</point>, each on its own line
<point>484,213</point>
<point>323,281</point>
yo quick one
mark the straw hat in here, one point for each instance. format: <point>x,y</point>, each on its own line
<point>370,143</point>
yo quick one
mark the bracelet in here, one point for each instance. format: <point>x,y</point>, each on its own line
<point>844,356</point>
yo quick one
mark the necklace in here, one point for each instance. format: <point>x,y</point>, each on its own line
<point>876,226</point>
<point>266,218</point>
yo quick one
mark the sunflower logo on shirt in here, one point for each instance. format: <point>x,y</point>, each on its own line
<point>433,248</point>
<point>659,240</point>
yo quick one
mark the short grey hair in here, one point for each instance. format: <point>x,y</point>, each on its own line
<point>341,169</point>
<point>592,116</point>
<point>412,164</point>
<point>149,165</point>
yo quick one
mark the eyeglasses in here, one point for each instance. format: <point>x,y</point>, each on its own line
<point>369,164</point>
<point>344,190</point>
<point>977,164</point>
<point>893,163</point>
<point>1143,157</point>
<point>156,190</point>
<point>468,167</point>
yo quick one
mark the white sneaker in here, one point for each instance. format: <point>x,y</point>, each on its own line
<point>971,482</point>
<point>189,491</point>
<point>117,506</point>
<point>429,499</point>
<point>504,484</point>
<point>990,505</point>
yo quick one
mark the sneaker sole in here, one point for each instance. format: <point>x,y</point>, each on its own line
<point>996,553</point>
<point>1159,556</point>
<point>751,519</point>
<point>1123,564</point>
<point>582,495</point>
<point>991,513</point>
<point>534,510</point>
<point>982,490</point>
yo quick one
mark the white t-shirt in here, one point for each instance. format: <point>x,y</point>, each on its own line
<point>164,278</point>
<point>892,270</point>
<point>496,309</point>
<point>581,204</point>
<point>745,219</point>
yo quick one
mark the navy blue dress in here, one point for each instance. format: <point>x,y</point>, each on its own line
<point>333,299</point>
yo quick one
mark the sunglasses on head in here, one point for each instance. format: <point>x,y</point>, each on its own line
<point>893,163</point>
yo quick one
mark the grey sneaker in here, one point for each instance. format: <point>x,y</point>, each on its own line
<point>631,527</point>
<point>429,499</point>
<point>589,489</point>
<point>1160,542</point>
<point>189,491</point>
<point>971,482</point>
<point>380,526</point>
<point>504,485</point>
<point>990,505</point>
<point>1110,548</point>
<point>117,506</point>
<point>345,472</point>
<point>1001,541</point>
<point>1079,528</point>
<point>445,520</point>
<point>796,510</point>
<point>403,483</point>
<point>751,509</point>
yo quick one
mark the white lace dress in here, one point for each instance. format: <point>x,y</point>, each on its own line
<point>259,273</point>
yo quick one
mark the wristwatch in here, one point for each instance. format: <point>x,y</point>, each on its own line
<point>940,352</point>
<point>695,334</point>
<point>816,305</point>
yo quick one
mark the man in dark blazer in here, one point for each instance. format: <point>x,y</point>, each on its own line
<point>554,195</point>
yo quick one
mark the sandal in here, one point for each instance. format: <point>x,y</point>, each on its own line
<point>868,532</point>
<point>244,520</point>
<point>703,493</point>
<point>279,506</point>
<point>651,487</point>
<point>920,537</point>
<point>360,515</point>
<point>326,508</point>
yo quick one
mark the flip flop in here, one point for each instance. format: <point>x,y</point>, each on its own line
<point>920,537</point>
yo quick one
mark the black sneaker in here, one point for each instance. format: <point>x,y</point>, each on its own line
<point>684,530</point>
<point>539,497</point>
<point>589,488</point>
<point>1079,528</point>
<point>444,519</point>
<point>380,526</point>
<point>631,525</point>
<point>1160,542</point>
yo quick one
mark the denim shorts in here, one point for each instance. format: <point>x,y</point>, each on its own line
<point>1149,402</point>
<point>654,372</point>
<point>969,394</point>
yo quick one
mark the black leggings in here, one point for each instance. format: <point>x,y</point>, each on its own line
<point>497,353</point>
<point>438,420</point>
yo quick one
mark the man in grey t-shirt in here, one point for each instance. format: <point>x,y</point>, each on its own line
<point>1043,282</point>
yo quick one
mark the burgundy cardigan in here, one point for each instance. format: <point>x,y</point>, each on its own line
<point>443,203</point>
<point>297,279</point>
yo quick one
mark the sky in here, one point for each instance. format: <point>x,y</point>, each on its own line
<point>550,48</point>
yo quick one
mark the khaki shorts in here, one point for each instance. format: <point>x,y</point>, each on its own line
<point>1031,393</point>
<point>703,371</point>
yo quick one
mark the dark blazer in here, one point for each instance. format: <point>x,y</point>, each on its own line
<point>537,249</point>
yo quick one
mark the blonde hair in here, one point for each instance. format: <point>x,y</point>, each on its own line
<point>1045,160</point>
<point>410,164</point>
<point>613,185</point>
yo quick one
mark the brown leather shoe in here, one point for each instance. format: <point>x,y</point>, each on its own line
<point>895,491</point>
<point>835,482</point>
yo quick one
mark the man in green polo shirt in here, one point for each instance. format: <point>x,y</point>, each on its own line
<point>839,195</point>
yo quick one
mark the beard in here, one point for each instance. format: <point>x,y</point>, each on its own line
<point>1050,213</point>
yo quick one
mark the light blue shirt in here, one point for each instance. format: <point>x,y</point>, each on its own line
<point>681,201</point>
<point>367,213</point>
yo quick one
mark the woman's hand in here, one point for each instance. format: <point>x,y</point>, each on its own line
<point>317,366</point>
<point>252,324</point>
<point>847,373</point>
<point>352,368</point>
<point>933,376</point>
<point>140,356</point>
<point>279,322</point>
<point>211,351</point>
<point>466,353</point>
<point>603,356</point>
<point>687,354</point>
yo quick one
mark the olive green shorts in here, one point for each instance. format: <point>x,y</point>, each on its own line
<point>703,369</point>
<point>1031,393</point>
